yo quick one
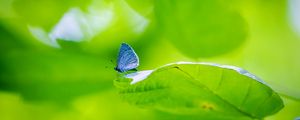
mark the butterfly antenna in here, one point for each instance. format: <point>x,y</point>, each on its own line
<point>110,65</point>
<point>112,61</point>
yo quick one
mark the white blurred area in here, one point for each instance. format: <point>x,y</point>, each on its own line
<point>294,15</point>
<point>76,25</point>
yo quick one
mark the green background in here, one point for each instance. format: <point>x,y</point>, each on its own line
<point>72,77</point>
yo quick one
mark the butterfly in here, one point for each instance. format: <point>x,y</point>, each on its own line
<point>127,59</point>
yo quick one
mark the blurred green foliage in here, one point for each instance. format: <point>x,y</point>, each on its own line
<point>201,28</point>
<point>44,76</point>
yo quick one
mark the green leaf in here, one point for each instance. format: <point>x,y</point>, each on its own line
<point>200,28</point>
<point>207,90</point>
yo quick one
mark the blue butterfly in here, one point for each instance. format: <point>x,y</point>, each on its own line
<point>127,59</point>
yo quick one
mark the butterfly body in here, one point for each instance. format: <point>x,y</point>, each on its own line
<point>127,59</point>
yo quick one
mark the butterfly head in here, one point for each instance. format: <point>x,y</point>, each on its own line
<point>117,69</point>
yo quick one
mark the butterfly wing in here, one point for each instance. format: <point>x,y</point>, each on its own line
<point>127,59</point>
